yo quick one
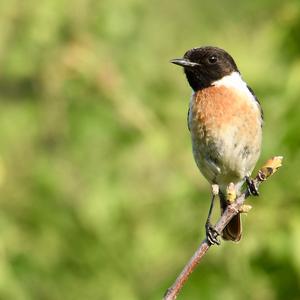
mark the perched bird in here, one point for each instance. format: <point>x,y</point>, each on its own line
<point>225,121</point>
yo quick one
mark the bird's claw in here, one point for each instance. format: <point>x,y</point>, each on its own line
<point>252,189</point>
<point>212,234</point>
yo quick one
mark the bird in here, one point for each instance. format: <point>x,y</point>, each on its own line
<point>225,121</point>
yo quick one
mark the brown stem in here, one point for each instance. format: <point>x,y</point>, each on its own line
<point>268,169</point>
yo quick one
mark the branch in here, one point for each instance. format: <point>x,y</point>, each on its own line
<point>268,169</point>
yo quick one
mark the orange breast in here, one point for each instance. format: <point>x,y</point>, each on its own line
<point>215,108</point>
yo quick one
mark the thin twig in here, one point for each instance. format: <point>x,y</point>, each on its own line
<point>268,169</point>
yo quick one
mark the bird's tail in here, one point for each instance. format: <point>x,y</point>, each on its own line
<point>233,230</point>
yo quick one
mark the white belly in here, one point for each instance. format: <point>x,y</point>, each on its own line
<point>225,125</point>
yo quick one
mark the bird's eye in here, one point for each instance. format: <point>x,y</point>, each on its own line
<point>212,59</point>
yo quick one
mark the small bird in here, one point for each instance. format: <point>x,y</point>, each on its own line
<point>225,121</point>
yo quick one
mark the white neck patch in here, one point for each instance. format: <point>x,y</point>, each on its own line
<point>234,80</point>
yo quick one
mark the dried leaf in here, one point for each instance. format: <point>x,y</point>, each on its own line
<point>270,167</point>
<point>245,208</point>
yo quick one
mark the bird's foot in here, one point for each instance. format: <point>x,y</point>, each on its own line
<point>212,234</point>
<point>252,189</point>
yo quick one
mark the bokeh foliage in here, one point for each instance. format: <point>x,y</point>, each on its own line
<point>100,197</point>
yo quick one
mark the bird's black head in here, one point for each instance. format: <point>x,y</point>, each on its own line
<point>205,65</point>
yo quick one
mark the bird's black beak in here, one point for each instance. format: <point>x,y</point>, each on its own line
<point>183,62</point>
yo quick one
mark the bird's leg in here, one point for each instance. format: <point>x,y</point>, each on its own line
<point>211,233</point>
<point>252,189</point>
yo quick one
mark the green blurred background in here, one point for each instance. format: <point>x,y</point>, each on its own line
<point>100,196</point>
